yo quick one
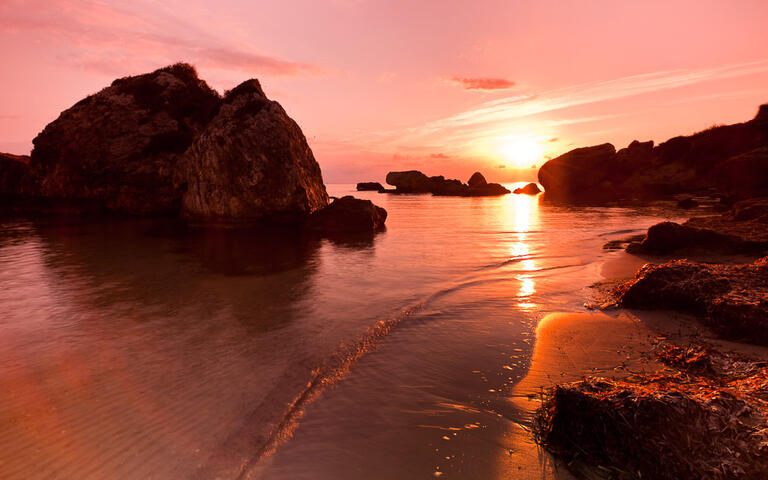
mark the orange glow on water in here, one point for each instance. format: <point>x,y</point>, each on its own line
<point>522,213</point>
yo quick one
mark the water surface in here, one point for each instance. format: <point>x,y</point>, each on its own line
<point>138,349</point>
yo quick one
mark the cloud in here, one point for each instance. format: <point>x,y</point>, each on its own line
<point>112,39</point>
<point>483,83</point>
<point>473,131</point>
<point>439,155</point>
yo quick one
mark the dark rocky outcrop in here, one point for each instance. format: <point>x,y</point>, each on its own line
<point>120,148</point>
<point>165,143</point>
<point>347,215</point>
<point>530,189</point>
<point>251,164</point>
<point>448,187</point>
<point>15,176</point>
<point>733,299</point>
<point>488,190</point>
<point>411,181</point>
<point>476,180</point>
<point>730,159</point>
<point>742,230</point>
<point>414,181</point>
<point>577,174</point>
<point>370,187</point>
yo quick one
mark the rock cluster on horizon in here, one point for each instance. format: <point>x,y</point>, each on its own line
<point>165,143</point>
<point>414,181</point>
<point>730,160</point>
<point>529,189</point>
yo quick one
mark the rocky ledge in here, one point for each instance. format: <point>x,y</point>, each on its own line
<point>414,181</point>
<point>732,299</point>
<point>742,230</point>
<point>165,143</point>
<point>730,160</point>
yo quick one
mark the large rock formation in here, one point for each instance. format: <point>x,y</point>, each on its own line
<point>165,143</point>
<point>251,164</point>
<point>730,159</point>
<point>413,181</point>
<point>578,173</point>
<point>120,148</point>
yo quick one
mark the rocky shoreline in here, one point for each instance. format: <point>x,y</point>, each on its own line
<point>730,162</point>
<point>703,414</point>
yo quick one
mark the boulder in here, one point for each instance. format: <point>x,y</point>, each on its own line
<point>251,164</point>
<point>411,181</point>
<point>347,214</point>
<point>733,299</point>
<point>488,190</point>
<point>476,180</point>
<point>530,189</point>
<point>578,174</point>
<point>370,186</point>
<point>120,148</point>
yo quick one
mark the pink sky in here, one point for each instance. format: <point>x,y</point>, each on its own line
<point>447,87</point>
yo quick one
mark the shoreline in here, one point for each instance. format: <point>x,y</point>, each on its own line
<point>575,351</point>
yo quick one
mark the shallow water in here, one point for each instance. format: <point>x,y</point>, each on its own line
<point>138,349</point>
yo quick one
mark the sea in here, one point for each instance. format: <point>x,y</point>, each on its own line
<point>142,349</point>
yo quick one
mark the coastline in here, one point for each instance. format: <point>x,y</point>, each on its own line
<point>574,349</point>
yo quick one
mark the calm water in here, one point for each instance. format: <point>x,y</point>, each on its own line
<point>133,349</point>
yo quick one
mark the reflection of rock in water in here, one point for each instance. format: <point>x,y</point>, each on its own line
<point>249,252</point>
<point>354,240</point>
<point>139,326</point>
<point>257,276</point>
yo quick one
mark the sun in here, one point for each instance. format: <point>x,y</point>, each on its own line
<point>521,152</point>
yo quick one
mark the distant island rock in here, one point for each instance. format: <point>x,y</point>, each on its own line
<point>370,187</point>
<point>414,181</point>
<point>729,160</point>
<point>166,144</point>
<point>530,189</point>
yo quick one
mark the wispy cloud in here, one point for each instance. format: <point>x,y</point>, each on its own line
<point>456,133</point>
<point>109,38</point>
<point>483,83</point>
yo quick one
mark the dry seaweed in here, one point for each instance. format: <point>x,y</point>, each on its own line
<point>705,421</point>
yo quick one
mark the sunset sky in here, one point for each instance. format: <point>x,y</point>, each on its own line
<point>447,87</point>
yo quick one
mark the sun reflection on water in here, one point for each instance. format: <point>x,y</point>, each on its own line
<point>522,215</point>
